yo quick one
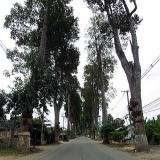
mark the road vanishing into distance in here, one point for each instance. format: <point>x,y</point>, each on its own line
<point>80,148</point>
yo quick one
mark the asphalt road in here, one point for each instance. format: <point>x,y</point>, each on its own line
<point>80,149</point>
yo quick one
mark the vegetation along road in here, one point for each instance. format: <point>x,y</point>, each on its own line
<point>80,149</point>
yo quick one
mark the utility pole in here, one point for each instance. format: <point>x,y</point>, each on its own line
<point>68,127</point>
<point>42,126</point>
<point>63,116</point>
<point>129,112</point>
<point>127,92</point>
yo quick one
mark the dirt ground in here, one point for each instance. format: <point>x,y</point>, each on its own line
<point>154,153</point>
<point>9,157</point>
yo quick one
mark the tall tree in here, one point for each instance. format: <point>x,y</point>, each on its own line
<point>99,49</point>
<point>49,53</point>
<point>91,92</point>
<point>76,108</point>
<point>91,96</point>
<point>124,21</point>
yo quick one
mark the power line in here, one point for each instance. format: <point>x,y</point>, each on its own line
<point>150,67</point>
<point>152,110</point>
<point>117,102</point>
<point>153,107</point>
<point>153,103</point>
<point>3,46</point>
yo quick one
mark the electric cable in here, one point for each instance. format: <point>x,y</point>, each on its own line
<point>117,102</point>
<point>152,110</point>
<point>150,67</point>
<point>152,104</point>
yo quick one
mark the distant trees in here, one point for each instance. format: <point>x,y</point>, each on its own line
<point>123,22</point>
<point>75,111</point>
<point>91,99</point>
<point>99,70</point>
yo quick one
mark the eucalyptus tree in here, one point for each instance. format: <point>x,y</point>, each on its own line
<point>38,28</point>
<point>75,111</point>
<point>25,24</point>
<point>123,21</point>
<point>91,96</point>
<point>71,86</point>
<point>99,50</point>
<point>64,54</point>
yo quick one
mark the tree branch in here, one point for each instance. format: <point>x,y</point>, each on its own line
<point>118,46</point>
<point>126,7</point>
<point>135,8</point>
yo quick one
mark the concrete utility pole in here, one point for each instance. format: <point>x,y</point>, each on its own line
<point>129,112</point>
<point>69,125</point>
<point>63,116</point>
<point>127,92</point>
<point>42,127</point>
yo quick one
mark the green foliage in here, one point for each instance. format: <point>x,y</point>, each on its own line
<point>114,129</point>
<point>99,42</point>
<point>108,128</point>
<point>98,72</point>
<point>153,130</point>
<point>2,98</point>
<point>3,101</point>
<point>120,134</point>
<point>119,13</point>
<point>43,82</point>
<point>37,125</point>
<point>76,107</point>
<point>9,152</point>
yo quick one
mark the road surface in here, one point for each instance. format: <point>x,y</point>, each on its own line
<point>80,149</point>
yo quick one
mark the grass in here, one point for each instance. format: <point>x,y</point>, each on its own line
<point>15,152</point>
<point>9,151</point>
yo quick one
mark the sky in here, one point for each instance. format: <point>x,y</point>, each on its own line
<point>148,35</point>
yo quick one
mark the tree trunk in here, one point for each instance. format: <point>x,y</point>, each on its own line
<point>57,111</point>
<point>101,81</point>
<point>104,104</point>
<point>26,121</point>
<point>43,39</point>
<point>105,139</point>
<point>141,142</point>
<point>69,114</point>
<point>42,128</point>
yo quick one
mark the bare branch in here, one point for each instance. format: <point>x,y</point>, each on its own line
<point>135,7</point>
<point>126,7</point>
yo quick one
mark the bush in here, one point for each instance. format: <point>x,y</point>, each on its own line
<point>119,135</point>
<point>114,129</point>
<point>153,130</point>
